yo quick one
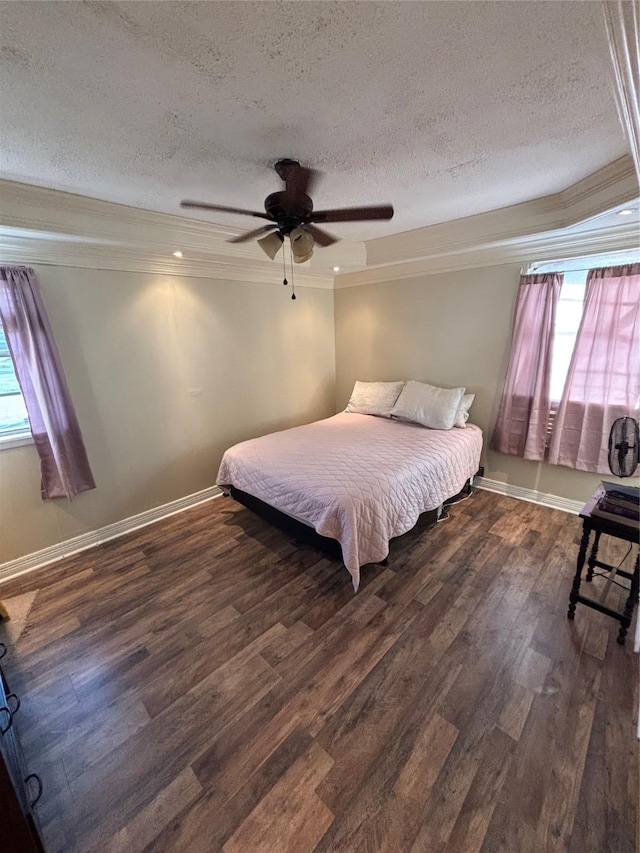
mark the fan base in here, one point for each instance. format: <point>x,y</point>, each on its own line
<point>281,166</point>
<point>276,207</point>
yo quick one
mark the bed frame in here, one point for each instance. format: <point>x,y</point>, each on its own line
<point>331,547</point>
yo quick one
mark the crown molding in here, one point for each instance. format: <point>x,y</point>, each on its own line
<point>43,226</point>
<point>25,250</point>
<point>39,225</point>
<point>38,209</point>
<point>623,24</point>
<point>614,185</point>
<point>555,245</point>
<point>610,186</point>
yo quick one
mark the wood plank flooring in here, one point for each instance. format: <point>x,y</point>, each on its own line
<point>206,684</point>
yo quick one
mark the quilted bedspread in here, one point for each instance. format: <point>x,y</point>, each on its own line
<point>356,478</point>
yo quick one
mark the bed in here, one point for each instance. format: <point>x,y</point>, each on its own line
<point>358,479</point>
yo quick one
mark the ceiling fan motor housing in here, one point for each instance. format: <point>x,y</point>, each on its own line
<point>277,208</point>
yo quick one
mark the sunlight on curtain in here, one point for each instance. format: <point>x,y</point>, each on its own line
<point>54,426</point>
<point>521,427</point>
<point>603,382</point>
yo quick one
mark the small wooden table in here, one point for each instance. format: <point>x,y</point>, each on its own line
<point>610,528</point>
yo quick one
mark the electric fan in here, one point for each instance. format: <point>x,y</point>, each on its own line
<point>624,439</point>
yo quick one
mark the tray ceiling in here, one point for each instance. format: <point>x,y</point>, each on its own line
<point>443,109</point>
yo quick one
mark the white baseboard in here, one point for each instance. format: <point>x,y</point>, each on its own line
<point>522,494</point>
<point>30,562</point>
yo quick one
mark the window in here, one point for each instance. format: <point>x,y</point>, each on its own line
<point>569,308</point>
<point>601,382</point>
<point>14,422</point>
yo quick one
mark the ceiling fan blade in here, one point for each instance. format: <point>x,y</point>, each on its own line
<point>249,235</point>
<point>352,214</point>
<point>218,207</point>
<point>322,238</point>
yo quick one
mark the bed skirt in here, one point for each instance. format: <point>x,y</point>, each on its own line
<point>306,534</point>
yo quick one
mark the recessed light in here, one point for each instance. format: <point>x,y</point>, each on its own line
<point>177,254</point>
<point>336,269</point>
<point>625,212</point>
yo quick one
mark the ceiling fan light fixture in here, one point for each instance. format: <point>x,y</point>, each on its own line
<point>302,244</point>
<point>271,244</point>
<point>300,259</point>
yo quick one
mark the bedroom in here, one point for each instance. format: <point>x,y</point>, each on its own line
<point>113,113</point>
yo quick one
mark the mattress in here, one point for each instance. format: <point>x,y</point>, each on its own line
<point>359,479</point>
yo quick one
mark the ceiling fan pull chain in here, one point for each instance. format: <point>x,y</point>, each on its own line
<point>284,268</point>
<point>293,286</point>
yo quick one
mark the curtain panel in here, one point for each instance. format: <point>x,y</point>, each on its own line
<point>603,382</point>
<point>56,433</point>
<point>523,415</point>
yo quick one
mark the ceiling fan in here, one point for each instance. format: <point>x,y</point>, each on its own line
<point>290,213</point>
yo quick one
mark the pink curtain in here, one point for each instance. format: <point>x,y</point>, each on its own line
<point>56,434</point>
<point>603,382</point>
<point>524,408</point>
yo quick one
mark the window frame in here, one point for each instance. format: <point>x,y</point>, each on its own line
<point>15,437</point>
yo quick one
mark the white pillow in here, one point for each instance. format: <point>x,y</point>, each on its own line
<point>432,407</point>
<point>462,415</point>
<point>374,398</point>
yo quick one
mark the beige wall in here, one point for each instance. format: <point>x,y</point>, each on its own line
<point>448,329</point>
<point>165,373</point>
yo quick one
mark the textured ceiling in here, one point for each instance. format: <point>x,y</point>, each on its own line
<point>443,109</point>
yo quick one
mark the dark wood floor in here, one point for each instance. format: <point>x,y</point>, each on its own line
<point>205,684</point>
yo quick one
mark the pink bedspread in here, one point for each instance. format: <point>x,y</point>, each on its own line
<point>356,478</point>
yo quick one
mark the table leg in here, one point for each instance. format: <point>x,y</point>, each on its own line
<point>593,557</point>
<point>625,619</point>
<point>575,589</point>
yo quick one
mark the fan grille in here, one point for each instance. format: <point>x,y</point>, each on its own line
<point>624,439</point>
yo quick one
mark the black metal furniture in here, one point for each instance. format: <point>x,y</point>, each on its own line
<point>20,790</point>
<point>599,526</point>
